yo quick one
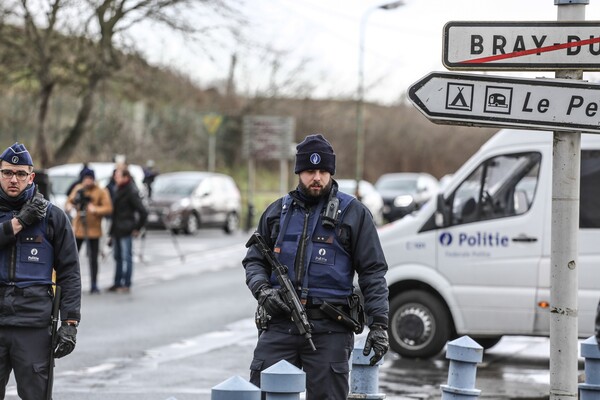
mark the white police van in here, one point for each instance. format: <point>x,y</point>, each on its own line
<point>476,260</point>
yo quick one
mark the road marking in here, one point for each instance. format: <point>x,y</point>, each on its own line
<point>235,333</point>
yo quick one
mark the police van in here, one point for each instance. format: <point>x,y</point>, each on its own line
<point>476,260</point>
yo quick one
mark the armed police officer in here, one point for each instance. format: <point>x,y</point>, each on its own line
<point>323,237</point>
<point>35,238</point>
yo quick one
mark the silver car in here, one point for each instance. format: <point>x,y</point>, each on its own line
<point>190,200</point>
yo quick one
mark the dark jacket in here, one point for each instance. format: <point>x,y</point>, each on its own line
<point>129,213</point>
<point>358,234</point>
<point>31,306</point>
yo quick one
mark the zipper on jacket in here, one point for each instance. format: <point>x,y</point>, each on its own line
<point>12,265</point>
<point>300,260</point>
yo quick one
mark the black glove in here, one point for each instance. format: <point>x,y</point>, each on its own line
<point>271,300</point>
<point>33,211</point>
<point>377,339</point>
<point>66,338</point>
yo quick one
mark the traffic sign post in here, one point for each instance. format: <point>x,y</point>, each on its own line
<point>522,46</point>
<point>566,161</point>
<point>485,100</point>
<point>565,105</point>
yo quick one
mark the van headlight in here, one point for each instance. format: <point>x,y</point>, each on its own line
<point>403,201</point>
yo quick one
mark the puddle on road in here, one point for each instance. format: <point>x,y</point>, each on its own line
<point>515,378</point>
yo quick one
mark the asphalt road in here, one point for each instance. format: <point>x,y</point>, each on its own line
<point>187,325</point>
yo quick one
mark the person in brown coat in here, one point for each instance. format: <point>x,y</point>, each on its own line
<point>92,203</point>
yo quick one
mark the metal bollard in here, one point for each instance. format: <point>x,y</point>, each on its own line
<point>364,379</point>
<point>464,354</point>
<point>235,388</point>
<point>590,390</point>
<point>283,381</point>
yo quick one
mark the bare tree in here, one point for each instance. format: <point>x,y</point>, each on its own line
<point>111,18</point>
<point>33,50</point>
<point>97,32</point>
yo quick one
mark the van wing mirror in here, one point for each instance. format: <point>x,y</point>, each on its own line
<point>441,212</point>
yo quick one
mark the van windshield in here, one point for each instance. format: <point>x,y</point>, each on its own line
<point>61,183</point>
<point>500,187</point>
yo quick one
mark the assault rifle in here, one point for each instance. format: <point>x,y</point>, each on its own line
<point>288,293</point>
<point>54,327</point>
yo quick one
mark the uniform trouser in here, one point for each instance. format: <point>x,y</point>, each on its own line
<point>326,369</point>
<point>26,351</point>
<point>93,257</point>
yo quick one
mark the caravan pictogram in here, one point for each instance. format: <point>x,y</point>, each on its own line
<point>498,99</point>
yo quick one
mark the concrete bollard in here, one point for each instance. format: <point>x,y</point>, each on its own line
<point>364,379</point>
<point>590,390</point>
<point>283,381</point>
<point>464,354</point>
<point>235,388</point>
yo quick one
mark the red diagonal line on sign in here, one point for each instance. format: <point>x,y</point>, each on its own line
<point>532,51</point>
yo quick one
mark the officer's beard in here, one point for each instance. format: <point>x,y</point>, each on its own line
<point>313,194</point>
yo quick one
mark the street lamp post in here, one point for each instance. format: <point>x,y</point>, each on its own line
<point>360,123</point>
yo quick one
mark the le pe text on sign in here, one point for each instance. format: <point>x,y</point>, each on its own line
<point>522,45</point>
<point>485,100</point>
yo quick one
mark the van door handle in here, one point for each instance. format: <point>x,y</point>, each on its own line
<point>524,239</point>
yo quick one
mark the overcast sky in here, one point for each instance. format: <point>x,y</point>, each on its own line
<point>402,45</point>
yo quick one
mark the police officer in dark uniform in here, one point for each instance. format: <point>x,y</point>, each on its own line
<point>322,250</point>
<point>35,238</point>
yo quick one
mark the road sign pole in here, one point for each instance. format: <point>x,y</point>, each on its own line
<point>565,228</point>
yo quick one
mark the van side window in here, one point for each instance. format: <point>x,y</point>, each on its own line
<point>589,195</point>
<point>500,187</point>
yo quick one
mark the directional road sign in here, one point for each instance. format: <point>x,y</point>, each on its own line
<point>522,45</point>
<point>484,100</point>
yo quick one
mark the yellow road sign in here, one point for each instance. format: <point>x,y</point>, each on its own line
<point>212,123</point>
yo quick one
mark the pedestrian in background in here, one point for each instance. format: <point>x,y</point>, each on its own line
<point>35,238</point>
<point>128,218</point>
<point>150,172</point>
<point>324,237</point>
<point>91,203</point>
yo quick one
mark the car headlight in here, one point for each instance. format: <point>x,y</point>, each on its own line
<point>403,201</point>
<point>181,204</point>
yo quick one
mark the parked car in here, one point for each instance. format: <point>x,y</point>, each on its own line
<point>61,178</point>
<point>189,200</point>
<point>405,192</point>
<point>368,196</point>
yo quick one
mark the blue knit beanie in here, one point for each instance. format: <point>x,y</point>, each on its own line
<point>87,172</point>
<point>17,154</point>
<point>315,153</point>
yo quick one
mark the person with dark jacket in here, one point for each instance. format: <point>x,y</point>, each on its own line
<point>128,218</point>
<point>36,243</point>
<point>324,237</point>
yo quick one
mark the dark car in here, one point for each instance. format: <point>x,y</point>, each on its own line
<point>405,192</point>
<point>190,200</point>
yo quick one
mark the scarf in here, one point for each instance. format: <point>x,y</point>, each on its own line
<point>15,203</point>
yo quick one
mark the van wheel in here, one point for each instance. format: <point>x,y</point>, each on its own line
<point>192,224</point>
<point>232,223</point>
<point>419,324</point>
